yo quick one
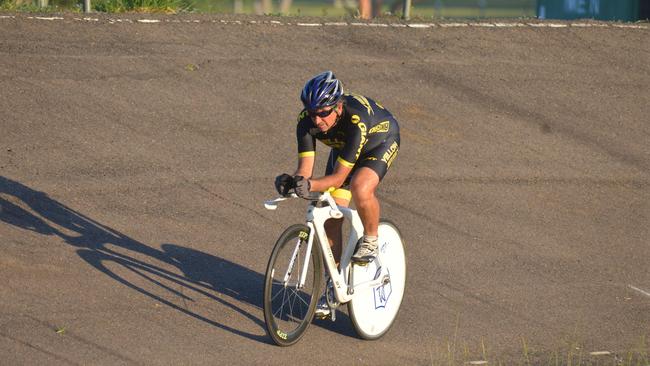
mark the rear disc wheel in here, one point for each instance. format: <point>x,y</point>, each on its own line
<point>373,310</point>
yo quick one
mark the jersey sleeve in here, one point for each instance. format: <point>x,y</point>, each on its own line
<point>306,142</point>
<point>355,141</point>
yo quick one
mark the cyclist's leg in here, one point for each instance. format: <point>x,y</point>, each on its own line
<point>334,227</point>
<point>370,170</point>
<point>372,167</point>
<point>364,184</point>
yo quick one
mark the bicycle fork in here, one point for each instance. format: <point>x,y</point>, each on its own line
<point>310,243</point>
<point>294,256</point>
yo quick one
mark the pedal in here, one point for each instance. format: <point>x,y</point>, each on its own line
<point>331,302</point>
<point>364,264</point>
<point>331,315</point>
<point>322,317</point>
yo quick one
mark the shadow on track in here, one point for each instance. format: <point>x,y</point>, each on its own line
<point>100,245</point>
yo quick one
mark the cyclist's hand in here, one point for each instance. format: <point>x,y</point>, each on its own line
<point>283,183</point>
<point>301,186</point>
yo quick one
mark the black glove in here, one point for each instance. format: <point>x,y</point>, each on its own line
<point>284,183</point>
<point>301,186</point>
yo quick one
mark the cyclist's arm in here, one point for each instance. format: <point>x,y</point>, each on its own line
<point>336,179</point>
<point>305,166</point>
<point>345,162</point>
<point>306,147</point>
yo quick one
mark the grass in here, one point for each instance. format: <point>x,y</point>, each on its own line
<point>106,6</point>
<point>570,352</point>
<point>141,6</point>
<point>423,10</point>
<point>33,8</point>
<point>454,352</point>
<point>467,9</point>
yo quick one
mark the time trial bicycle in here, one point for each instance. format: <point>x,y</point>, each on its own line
<point>373,292</point>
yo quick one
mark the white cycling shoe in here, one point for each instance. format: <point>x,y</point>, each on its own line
<point>366,252</point>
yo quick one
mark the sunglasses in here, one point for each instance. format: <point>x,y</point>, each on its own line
<point>321,114</point>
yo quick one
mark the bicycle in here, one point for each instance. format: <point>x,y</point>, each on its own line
<point>292,286</point>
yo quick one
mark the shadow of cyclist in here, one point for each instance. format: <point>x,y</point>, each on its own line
<point>99,245</point>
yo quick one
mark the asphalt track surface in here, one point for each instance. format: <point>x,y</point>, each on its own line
<point>135,158</point>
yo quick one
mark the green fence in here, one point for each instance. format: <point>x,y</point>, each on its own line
<point>625,10</point>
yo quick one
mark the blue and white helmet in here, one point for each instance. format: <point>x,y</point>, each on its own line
<point>323,90</point>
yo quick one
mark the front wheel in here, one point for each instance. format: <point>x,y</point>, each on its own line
<point>373,310</point>
<point>289,307</point>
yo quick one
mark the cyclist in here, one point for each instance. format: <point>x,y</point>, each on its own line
<point>364,140</point>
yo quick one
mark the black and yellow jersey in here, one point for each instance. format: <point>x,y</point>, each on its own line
<point>363,126</point>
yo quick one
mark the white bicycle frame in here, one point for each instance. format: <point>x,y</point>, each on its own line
<point>317,214</point>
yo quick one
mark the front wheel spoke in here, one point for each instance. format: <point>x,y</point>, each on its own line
<point>301,298</point>
<point>293,303</point>
<point>278,293</point>
<point>284,297</point>
<point>300,303</point>
<point>290,302</point>
<point>278,314</point>
<point>305,302</point>
<point>283,292</point>
<point>295,290</point>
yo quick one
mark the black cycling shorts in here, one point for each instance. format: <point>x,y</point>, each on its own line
<point>379,159</point>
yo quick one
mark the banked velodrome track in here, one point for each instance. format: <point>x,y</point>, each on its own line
<point>134,158</point>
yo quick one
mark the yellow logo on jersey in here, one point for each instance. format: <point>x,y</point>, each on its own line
<point>390,155</point>
<point>362,141</point>
<point>355,119</point>
<point>382,127</point>
<point>302,115</point>
<point>364,102</point>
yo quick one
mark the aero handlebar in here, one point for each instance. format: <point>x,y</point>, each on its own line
<point>325,197</point>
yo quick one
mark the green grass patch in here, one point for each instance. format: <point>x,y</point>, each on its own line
<point>336,10</point>
<point>425,9</point>
<point>569,353</point>
<point>140,6</point>
<point>34,8</point>
<point>107,6</point>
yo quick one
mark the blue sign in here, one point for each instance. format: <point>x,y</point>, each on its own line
<point>590,9</point>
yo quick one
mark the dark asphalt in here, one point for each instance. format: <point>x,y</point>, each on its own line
<point>134,159</point>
